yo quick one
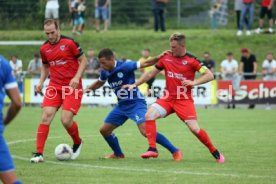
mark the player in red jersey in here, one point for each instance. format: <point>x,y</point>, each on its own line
<point>180,68</point>
<point>64,60</point>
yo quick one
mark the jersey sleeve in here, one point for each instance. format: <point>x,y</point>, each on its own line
<point>103,76</point>
<point>9,80</point>
<point>159,65</point>
<point>43,58</point>
<point>132,65</point>
<point>76,49</point>
<point>197,64</point>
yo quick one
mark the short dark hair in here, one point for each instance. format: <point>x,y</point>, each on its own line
<point>51,21</point>
<point>106,53</point>
<point>229,54</point>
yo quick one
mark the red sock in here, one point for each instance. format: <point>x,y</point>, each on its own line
<point>41,137</point>
<point>151,133</point>
<point>73,131</point>
<point>204,138</point>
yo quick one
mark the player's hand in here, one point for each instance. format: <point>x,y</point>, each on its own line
<point>74,83</point>
<point>129,86</point>
<point>87,90</point>
<point>188,83</point>
<point>38,88</point>
<point>163,53</point>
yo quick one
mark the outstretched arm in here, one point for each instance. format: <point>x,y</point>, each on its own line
<point>153,60</point>
<point>144,78</point>
<point>97,84</point>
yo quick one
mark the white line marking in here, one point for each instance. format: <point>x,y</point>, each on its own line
<point>31,42</point>
<point>134,169</point>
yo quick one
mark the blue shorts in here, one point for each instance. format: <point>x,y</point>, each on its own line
<point>101,13</point>
<point>135,111</point>
<point>6,163</point>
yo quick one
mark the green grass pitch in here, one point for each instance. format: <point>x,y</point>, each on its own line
<point>246,137</point>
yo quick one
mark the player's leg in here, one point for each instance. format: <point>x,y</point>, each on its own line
<point>7,173</point>
<point>48,113</point>
<point>51,102</point>
<point>185,110</point>
<point>71,106</point>
<point>114,119</point>
<point>107,132</point>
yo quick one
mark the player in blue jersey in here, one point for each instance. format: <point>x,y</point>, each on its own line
<point>7,84</point>
<point>131,104</point>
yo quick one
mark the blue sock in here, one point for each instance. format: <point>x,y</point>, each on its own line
<point>113,142</point>
<point>163,141</point>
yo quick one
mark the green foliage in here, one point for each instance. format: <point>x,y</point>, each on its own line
<point>129,43</point>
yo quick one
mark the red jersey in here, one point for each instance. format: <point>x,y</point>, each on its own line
<point>266,3</point>
<point>62,59</point>
<point>178,69</point>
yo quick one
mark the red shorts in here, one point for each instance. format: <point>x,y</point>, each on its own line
<point>184,109</point>
<point>70,100</point>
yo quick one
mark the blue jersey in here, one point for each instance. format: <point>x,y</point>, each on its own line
<point>7,81</point>
<point>123,73</point>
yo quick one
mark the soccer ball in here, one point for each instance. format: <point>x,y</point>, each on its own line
<point>63,152</point>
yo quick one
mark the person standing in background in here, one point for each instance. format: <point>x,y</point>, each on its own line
<point>35,66</point>
<point>16,65</point>
<point>248,67</point>
<point>266,9</point>
<point>51,10</point>
<point>229,70</point>
<point>158,8</point>
<point>238,8</point>
<point>208,62</point>
<point>269,67</point>
<point>247,8</point>
<point>101,12</point>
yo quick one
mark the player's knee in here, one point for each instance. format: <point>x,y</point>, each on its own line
<point>66,121</point>
<point>151,116</point>
<point>104,132</point>
<point>47,116</point>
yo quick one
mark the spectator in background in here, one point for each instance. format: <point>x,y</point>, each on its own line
<point>145,56</point>
<point>266,9</point>
<point>34,67</point>
<point>248,67</point>
<point>214,13</point>
<point>16,65</point>
<point>101,13</point>
<point>158,8</point>
<point>93,66</point>
<point>71,5</point>
<point>229,70</point>
<point>247,8</point>
<point>78,19</point>
<point>238,8</point>
<point>208,62</point>
<point>269,67</point>
<point>51,10</point>
<point>269,71</point>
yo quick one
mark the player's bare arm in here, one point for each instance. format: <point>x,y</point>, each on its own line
<point>206,76</point>
<point>74,83</point>
<point>153,60</point>
<point>43,77</point>
<point>15,106</point>
<point>144,78</point>
<point>97,84</point>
